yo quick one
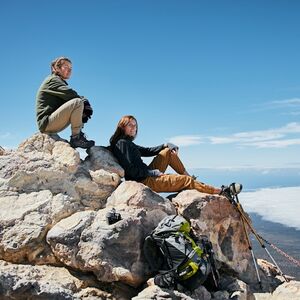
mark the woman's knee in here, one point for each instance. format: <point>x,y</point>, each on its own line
<point>165,152</point>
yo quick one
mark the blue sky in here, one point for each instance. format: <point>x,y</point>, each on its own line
<point>219,78</point>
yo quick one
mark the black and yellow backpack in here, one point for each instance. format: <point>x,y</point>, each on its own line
<point>175,255</point>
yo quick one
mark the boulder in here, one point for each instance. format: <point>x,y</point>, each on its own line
<point>41,163</point>
<point>44,282</point>
<point>53,209</point>
<point>101,158</point>
<point>24,221</point>
<point>86,242</point>
<point>236,288</point>
<point>288,290</point>
<point>217,218</point>
<point>155,292</point>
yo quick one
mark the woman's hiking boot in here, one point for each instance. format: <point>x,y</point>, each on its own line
<point>80,141</point>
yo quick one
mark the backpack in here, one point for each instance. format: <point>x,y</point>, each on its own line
<point>171,251</point>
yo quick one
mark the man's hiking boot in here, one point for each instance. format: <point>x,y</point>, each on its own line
<point>80,141</point>
<point>56,137</point>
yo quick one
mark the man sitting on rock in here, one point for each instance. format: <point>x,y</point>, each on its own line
<point>129,156</point>
<point>58,106</point>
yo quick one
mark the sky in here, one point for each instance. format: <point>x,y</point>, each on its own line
<point>218,78</point>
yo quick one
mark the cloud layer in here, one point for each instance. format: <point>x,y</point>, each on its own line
<point>280,205</point>
<point>282,137</point>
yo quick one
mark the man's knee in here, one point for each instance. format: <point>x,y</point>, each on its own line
<point>76,103</point>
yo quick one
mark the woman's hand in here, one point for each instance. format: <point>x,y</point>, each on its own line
<point>155,173</point>
<point>172,147</point>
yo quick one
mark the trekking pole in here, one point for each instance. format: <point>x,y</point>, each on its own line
<point>251,250</point>
<point>245,219</point>
<point>211,258</point>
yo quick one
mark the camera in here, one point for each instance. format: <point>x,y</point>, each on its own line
<point>112,216</point>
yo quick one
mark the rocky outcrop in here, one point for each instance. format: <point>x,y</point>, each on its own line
<point>155,292</point>
<point>288,290</point>
<point>217,218</point>
<point>112,252</point>
<point>41,163</point>
<point>25,220</point>
<point>55,242</point>
<point>42,182</point>
<point>43,282</point>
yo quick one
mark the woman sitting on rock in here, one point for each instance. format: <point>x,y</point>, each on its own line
<point>129,156</point>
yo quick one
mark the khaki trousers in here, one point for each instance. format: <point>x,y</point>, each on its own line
<point>69,113</point>
<point>173,182</point>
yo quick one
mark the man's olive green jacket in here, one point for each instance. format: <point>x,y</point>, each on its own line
<point>53,92</point>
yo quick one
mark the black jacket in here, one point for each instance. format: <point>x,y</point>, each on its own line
<point>129,156</point>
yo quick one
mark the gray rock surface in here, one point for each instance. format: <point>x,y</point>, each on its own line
<point>41,163</point>
<point>86,242</point>
<point>215,217</point>
<point>53,208</point>
<point>288,290</point>
<point>44,282</point>
<point>25,220</point>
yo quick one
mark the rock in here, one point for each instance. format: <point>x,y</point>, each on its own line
<point>237,289</point>
<point>221,295</point>
<point>268,268</point>
<point>53,209</point>
<point>101,158</point>
<point>132,195</point>
<point>271,279</point>
<point>86,242</point>
<point>155,292</point>
<point>43,282</point>
<point>41,163</point>
<point>288,290</point>
<point>201,293</point>
<point>25,220</point>
<point>215,217</point>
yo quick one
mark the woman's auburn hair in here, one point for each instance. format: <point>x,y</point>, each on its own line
<point>120,130</point>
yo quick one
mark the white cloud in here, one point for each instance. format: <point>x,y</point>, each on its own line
<point>186,140</point>
<point>280,205</point>
<point>293,102</point>
<point>286,107</point>
<point>275,143</point>
<point>270,138</point>
<point>280,104</point>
